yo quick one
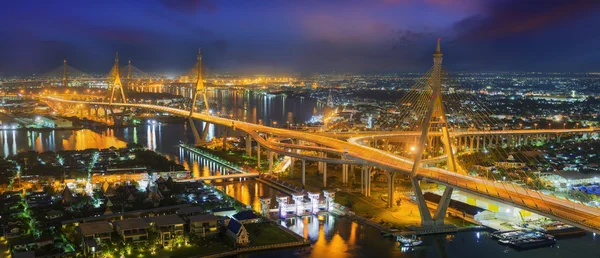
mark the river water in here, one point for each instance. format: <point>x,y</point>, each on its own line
<point>331,237</point>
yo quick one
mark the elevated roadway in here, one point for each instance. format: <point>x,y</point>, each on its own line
<point>570,212</point>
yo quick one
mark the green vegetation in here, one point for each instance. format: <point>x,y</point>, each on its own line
<point>267,234</point>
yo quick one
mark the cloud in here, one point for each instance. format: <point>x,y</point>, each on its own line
<point>506,18</point>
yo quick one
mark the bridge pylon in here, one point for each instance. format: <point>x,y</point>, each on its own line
<point>117,83</point>
<point>435,118</point>
<point>199,89</point>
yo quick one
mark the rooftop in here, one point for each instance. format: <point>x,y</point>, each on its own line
<point>189,210</point>
<point>244,215</point>
<point>205,217</point>
<point>95,228</point>
<point>223,209</point>
<point>234,226</point>
<point>167,220</point>
<point>129,224</point>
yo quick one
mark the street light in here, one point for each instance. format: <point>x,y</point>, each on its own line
<point>535,124</point>
<point>549,125</point>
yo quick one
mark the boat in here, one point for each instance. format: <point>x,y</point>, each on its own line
<point>501,234</point>
<point>560,229</point>
<point>534,242</point>
<point>505,237</point>
<point>409,242</point>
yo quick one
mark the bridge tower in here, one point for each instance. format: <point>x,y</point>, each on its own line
<point>64,79</point>
<point>129,76</point>
<point>117,83</point>
<point>199,89</point>
<point>435,118</point>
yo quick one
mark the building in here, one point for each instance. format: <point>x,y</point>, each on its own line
<point>92,234</point>
<point>187,212</point>
<point>245,217</point>
<point>168,227</point>
<point>237,232</point>
<point>132,230</point>
<point>225,212</point>
<point>52,122</point>
<point>204,225</point>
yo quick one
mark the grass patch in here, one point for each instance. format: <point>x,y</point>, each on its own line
<point>184,251</point>
<point>267,233</point>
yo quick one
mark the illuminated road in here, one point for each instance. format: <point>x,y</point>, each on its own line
<point>573,213</point>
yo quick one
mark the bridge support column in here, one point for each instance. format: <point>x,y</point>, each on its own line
<point>426,219</point>
<point>391,176</point>
<point>197,138</point>
<point>352,172</point>
<point>205,131</point>
<point>248,145</point>
<point>442,207</point>
<point>366,180</point>
<point>345,174</point>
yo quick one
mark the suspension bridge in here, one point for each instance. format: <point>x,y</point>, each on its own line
<point>427,118</point>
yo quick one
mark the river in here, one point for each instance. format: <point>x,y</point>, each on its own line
<point>332,237</point>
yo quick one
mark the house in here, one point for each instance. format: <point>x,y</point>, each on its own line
<point>53,214</point>
<point>204,225</point>
<point>237,232</point>
<point>132,230</point>
<point>168,227</point>
<point>19,245</point>
<point>67,195</point>
<point>92,234</point>
<point>13,231</point>
<point>245,217</point>
<point>190,211</point>
<point>225,212</point>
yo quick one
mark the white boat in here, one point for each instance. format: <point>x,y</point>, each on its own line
<point>409,242</point>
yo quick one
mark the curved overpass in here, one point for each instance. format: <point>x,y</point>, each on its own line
<point>573,213</point>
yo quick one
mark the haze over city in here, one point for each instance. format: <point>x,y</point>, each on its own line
<point>383,128</point>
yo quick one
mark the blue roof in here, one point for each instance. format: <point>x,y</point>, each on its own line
<point>234,226</point>
<point>244,215</point>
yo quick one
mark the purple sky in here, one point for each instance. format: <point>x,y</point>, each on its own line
<point>305,36</point>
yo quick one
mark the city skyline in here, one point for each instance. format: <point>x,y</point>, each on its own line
<point>312,37</point>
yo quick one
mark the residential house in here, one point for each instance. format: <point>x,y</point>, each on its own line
<point>204,225</point>
<point>54,214</point>
<point>92,234</point>
<point>132,230</point>
<point>190,211</point>
<point>237,232</point>
<point>246,217</point>
<point>168,227</point>
<point>225,212</point>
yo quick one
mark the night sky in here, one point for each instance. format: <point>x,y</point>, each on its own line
<point>301,36</point>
